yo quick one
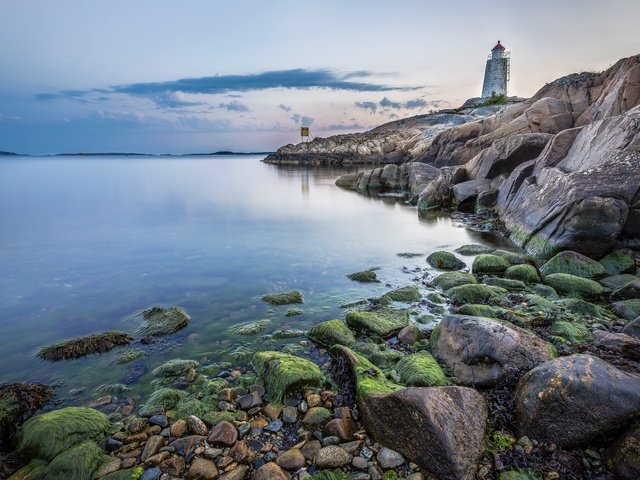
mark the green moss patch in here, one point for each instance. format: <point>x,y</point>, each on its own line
<point>386,359</point>
<point>540,304</point>
<point>421,370</point>
<point>167,398</point>
<point>475,294</point>
<point>283,298</point>
<point>544,291</point>
<point>524,272</point>
<point>473,249</point>
<point>175,367</point>
<point>46,435</point>
<point>574,286</point>
<point>489,264</point>
<point>332,332</point>
<point>382,322</point>
<point>366,276</point>
<point>617,263</point>
<point>574,332</point>
<point>520,475</point>
<point>627,309</point>
<point>284,373</point>
<point>80,462</point>
<point>573,263</point>
<point>514,258</point>
<point>157,321</point>
<point>448,280</point>
<point>616,281</point>
<point>499,442</point>
<point>408,294</point>
<point>211,419</point>
<point>506,283</point>
<point>250,328</point>
<point>87,345</point>
<point>445,261</point>
<point>476,310</point>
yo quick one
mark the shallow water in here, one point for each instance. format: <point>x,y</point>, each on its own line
<point>86,242</point>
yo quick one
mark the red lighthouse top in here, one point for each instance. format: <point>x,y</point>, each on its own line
<point>498,46</point>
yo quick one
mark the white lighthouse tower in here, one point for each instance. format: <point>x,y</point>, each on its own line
<point>497,71</point>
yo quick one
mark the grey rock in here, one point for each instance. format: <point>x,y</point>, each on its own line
<point>152,446</point>
<point>388,458</point>
<point>289,414</point>
<point>332,457</point>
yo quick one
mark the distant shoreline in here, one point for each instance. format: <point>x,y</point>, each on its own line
<point>127,154</point>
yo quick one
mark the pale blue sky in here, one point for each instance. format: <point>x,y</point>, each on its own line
<point>198,76</point>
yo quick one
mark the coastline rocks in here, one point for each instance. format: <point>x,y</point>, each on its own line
<point>572,400</point>
<point>624,455</point>
<point>475,293</point>
<point>18,402</point>
<point>383,322</point>
<point>617,263</point>
<point>332,456</point>
<point>87,345</point>
<point>489,263</point>
<point>332,332</point>
<point>158,321</point>
<point>573,263</point>
<point>366,276</point>
<point>224,434</point>
<point>483,352</point>
<point>574,286</point>
<point>445,261</point>
<point>439,428</point>
<point>283,298</point>
<point>621,343</point>
<point>285,373</point>
<point>448,280</point>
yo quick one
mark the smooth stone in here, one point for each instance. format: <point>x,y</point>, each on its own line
<point>274,427</point>
<point>202,469</point>
<point>159,420</point>
<point>310,449</point>
<point>196,426</point>
<point>360,463</point>
<point>289,414</point>
<point>249,401</point>
<point>332,457</point>
<point>238,473</point>
<point>343,428</point>
<point>270,471</point>
<point>292,459</point>
<point>153,445</point>
<point>179,428</point>
<point>388,458</point>
<point>224,434</point>
<point>151,474</point>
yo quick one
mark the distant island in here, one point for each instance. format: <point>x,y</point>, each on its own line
<point>7,154</point>
<point>133,154</point>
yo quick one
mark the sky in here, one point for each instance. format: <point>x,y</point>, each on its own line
<point>161,76</point>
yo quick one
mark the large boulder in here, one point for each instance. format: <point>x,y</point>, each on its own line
<point>439,428</point>
<point>482,352</point>
<point>572,400</point>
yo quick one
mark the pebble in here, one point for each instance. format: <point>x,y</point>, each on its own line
<point>159,420</point>
<point>249,401</point>
<point>228,394</point>
<point>151,474</point>
<point>360,463</point>
<point>152,447</point>
<point>259,389</point>
<point>331,440</point>
<point>367,453</point>
<point>332,457</point>
<point>202,469</point>
<point>212,453</point>
<point>113,444</point>
<point>274,426</point>
<point>243,429</point>
<point>238,473</point>
<point>179,428</point>
<point>292,459</point>
<point>270,471</point>
<point>290,415</point>
<point>388,458</point>
<point>196,426</point>
<point>272,410</point>
<point>156,459</point>
<point>360,476</point>
<point>223,434</point>
<point>310,449</point>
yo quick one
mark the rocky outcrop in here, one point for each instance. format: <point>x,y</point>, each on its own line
<point>482,352</point>
<point>572,400</point>
<point>439,428</point>
<point>409,177</point>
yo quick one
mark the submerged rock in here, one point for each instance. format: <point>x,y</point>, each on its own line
<point>572,400</point>
<point>440,428</point>
<point>332,332</point>
<point>474,249</point>
<point>88,345</point>
<point>175,367</point>
<point>158,321</point>
<point>18,401</point>
<point>366,276</point>
<point>408,294</point>
<point>382,322</point>
<point>250,328</point>
<point>283,298</point>
<point>284,373</point>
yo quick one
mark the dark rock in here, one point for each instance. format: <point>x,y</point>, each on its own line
<point>310,449</point>
<point>186,445</point>
<point>251,400</point>
<point>158,321</point>
<point>159,420</point>
<point>274,427</point>
<point>151,474</point>
<point>439,428</point>
<point>88,345</point>
<point>573,263</point>
<point>343,428</point>
<point>633,328</point>
<point>196,426</point>
<point>624,455</point>
<point>18,401</point>
<point>289,414</point>
<point>202,469</point>
<point>153,445</point>
<point>408,335</point>
<point>572,400</point>
<point>621,343</point>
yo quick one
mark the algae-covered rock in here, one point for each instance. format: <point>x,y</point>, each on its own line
<point>128,355</point>
<point>283,298</point>
<point>250,328</point>
<point>488,263</point>
<point>408,294</point>
<point>87,345</point>
<point>369,379</point>
<point>506,283</point>
<point>386,359</point>
<point>583,308</point>
<point>476,310</point>
<point>574,286</point>
<point>18,401</point>
<point>573,263</point>
<point>126,474</point>
<point>34,470</point>
<point>366,276</point>
<point>332,332</point>
<point>421,370</point>
<point>475,294</point>
<point>158,321</point>
<point>545,291</point>
<point>514,258</point>
<point>473,249</point>
<point>445,261</point>
<point>192,406</point>
<point>167,398</point>
<point>574,332</point>
<point>627,309</point>
<point>175,367</point>
<point>616,281</point>
<point>81,462</point>
<point>285,373</point>
<point>523,272</point>
<point>627,292</point>
<point>382,322</point>
<point>46,435</point>
<point>293,312</point>
<point>618,262</point>
<point>448,280</point>
<point>110,388</point>
<point>212,419</point>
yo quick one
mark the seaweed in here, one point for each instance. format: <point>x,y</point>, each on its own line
<point>87,345</point>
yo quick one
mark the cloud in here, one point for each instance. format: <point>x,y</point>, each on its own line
<point>234,106</point>
<point>408,105</point>
<point>301,119</point>
<point>284,107</point>
<point>368,106</point>
<point>417,103</point>
<point>385,102</point>
<point>341,126</point>
<point>174,100</point>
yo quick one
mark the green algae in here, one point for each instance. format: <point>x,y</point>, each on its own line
<point>506,283</point>
<point>488,263</point>
<point>127,474</point>
<point>382,322</point>
<point>330,475</point>
<point>473,249</point>
<point>211,419</point>
<point>499,442</point>
<point>46,435</point>
<point>386,359</point>
<point>408,294</point>
<point>80,462</point>
<point>293,312</point>
<point>616,281</point>
<point>332,332</point>
<point>250,328</point>
<point>436,298</point>
<point>540,304</point>
<point>165,397</point>
<point>627,309</point>
<point>514,258</point>
<point>287,333</point>
<point>158,321</point>
<point>175,368</point>
<point>34,470</point>
<point>477,310</point>
<point>283,298</point>
<point>520,475</point>
<point>128,355</point>
<point>523,272</point>
<point>112,388</point>
<point>366,276</point>
<point>445,261</point>
<point>475,294</point>
<point>574,332</point>
<point>421,370</point>
<point>544,291</point>
<point>193,406</point>
<point>574,286</point>
<point>87,345</point>
<point>433,339</point>
<point>618,262</point>
<point>448,280</point>
<point>284,373</point>
<point>573,263</point>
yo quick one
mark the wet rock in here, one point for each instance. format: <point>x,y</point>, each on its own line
<point>174,466</point>
<point>572,400</point>
<point>388,458</point>
<point>627,309</point>
<point>238,473</point>
<point>332,332</point>
<point>366,276</point>
<point>633,328</point>
<point>448,280</point>
<point>224,434</point>
<point>617,263</point>
<point>316,416</point>
<point>151,474</point>
<point>628,291</point>
<point>408,335</point>
<point>484,352</point>
<point>158,321</point>
<point>310,449</point>
<point>18,401</point>
<point>523,272</point>
<point>621,343</point>
<point>247,402</point>
<point>343,428</point>
<point>489,263</point>
<point>82,346</point>
<point>440,428</point>
<point>332,457</point>
<point>185,446</point>
<point>445,261</point>
<point>274,427</point>
<point>153,445</point>
<point>157,459</point>
<point>292,459</point>
<point>160,420</point>
<point>196,426</point>
<point>284,298</point>
<point>360,463</point>
<point>383,322</point>
<point>624,455</point>
<point>228,394</point>
<point>574,286</point>
<point>474,249</point>
<point>475,294</point>
<point>202,469</point>
<point>270,471</point>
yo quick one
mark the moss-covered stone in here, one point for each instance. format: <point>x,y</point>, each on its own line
<point>193,406</point>
<point>18,401</point>
<point>112,388</point>
<point>34,470</point>
<point>436,298</point>
<point>474,249</point>
<point>445,261</point>
<point>618,262</point>
<point>514,258</point>
<point>582,308</point>
<point>627,309</point>
<point>544,291</point>
<point>448,280</point>
<point>250,328</point>
<point>386,359</point>
<point>627,292</point>
<point>158,321</point>
<point>332,332</point>
<point>408,294</point>
<point>433,339</point>
<point>284,373</point>
<point>330,475</point>
<point>369,379</point>
<point>81,462</point>
<point>127,474</point>
<point>383,322</point>
<point>475,294</point>
<point>288,333</point>
<point>487,264</point>
<point>574,332</point>
<point>476,310</point>
<point>573,263</point>
<point>87,345</point>
<point>293,312</point>
<point>524,272</point>
<point>616,281</point>
<point>284,298</point>
<point>366,276</point>
<point>167,398</point>
<point>574,286</point>
<point>128,355</point>
<point>46,435</point>
<point>175,367</point>
<point>421,370</point>
<point>537,303</point>
<point>211,419</point>
<point>506,283</point>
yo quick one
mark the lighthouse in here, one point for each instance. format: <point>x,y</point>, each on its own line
<point>496,73</point>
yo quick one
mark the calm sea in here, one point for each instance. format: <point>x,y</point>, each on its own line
<point>86,242</point>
